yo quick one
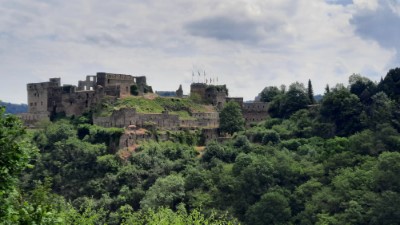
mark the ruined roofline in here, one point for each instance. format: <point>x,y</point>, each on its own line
<point>117,74</point>
<point>53,80</point>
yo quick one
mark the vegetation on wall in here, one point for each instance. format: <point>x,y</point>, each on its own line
<point>217,88</point>
<point>180,106</point>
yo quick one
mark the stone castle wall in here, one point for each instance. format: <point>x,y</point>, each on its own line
<point>38,94</point>
<point>52,98</point>
<point>31,118</point>
<point>255,112</point>
<point>238,100</point>
<point>88,85</point>
<point>164,121</point>
<point>126,117</point>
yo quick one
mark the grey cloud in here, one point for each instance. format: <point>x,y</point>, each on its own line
<point>225,28</point>
<point>340,2</point>
<point>381,26</point>
<point>102,39</point>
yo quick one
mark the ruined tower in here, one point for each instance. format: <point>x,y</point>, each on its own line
<point>179,92</point>
<point>211,94</point>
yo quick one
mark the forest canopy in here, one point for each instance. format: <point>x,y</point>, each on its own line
<point>332,162</point>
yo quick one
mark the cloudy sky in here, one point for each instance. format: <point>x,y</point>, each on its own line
<point>247,44</point>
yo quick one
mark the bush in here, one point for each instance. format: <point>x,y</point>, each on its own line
<point>271,136</point>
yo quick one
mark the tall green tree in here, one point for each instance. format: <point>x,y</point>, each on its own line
<point>310,92</point>
<point>363,87</point>
<point>286,103</point>
<point>15,153</point>
<point>342,108</point>
<point>231,118</point>
<point>327,89</point>
<point>295,98</point>
<point>391,84</point>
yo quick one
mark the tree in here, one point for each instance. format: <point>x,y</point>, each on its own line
<point>15,150</point>
<point>327,89</point>
<point>231,118</point>
<point>134,90</point>
<point>310,92</point>
<point>391,84</point>
<point>15,153</point>
<point>363,87</point>
<point>342,108</point>
<point>295,99</point>
<point>273,208</point>
<point>380,110</point>
<point>215,150</point>
<point>268,93</point>
<point>166,192</point>
<point>287,103</point>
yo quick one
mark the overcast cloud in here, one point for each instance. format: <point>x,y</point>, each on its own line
<point>247,44</point>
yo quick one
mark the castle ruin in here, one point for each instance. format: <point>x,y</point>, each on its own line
<point>217,95</point>
<point>46,100</point>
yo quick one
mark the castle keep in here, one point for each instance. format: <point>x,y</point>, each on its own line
<point>217,95</point>
<point>48,99</point>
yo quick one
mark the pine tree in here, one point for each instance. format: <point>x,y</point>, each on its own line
<point>327,89</point>
<point>310,92</point>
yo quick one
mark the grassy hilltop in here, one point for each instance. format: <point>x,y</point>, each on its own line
<point>152,104</point>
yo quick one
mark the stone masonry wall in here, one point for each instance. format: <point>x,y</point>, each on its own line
<point>255,112</point>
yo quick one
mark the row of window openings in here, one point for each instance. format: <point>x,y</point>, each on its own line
<point>35,104</point>
<point>254,107</point>
<point>108,80</point>
<point>88,88</point>
<point>41,103</point>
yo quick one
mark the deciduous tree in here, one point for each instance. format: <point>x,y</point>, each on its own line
<point>231,118</point>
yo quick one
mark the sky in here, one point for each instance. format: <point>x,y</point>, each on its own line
<point>246,44</point>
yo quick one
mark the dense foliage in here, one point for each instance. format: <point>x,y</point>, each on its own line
<point>336,162</point>
<point>231,118</point>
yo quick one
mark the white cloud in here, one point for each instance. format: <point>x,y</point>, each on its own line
<point>247,44</point>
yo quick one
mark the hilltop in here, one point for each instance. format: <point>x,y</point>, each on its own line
<point>151,103</point>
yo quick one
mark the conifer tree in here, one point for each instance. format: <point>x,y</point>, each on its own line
<point>327,89</point>
<point>310,92</point>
